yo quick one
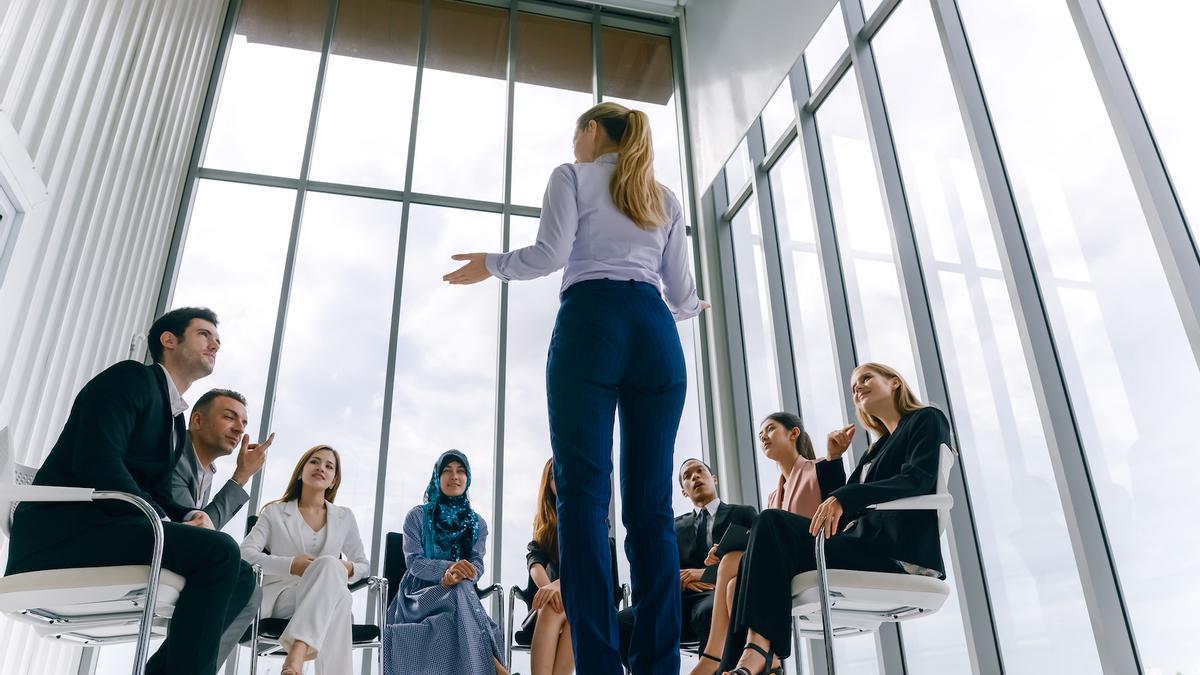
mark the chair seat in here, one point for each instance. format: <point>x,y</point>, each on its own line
<point>87,591</point>
<point>862,600</point>
<point>88,604</point>
<point>271,629</point>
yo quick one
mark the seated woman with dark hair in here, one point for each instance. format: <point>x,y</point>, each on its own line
<point>804,480</point>
<point>902,462</point>
<point>436,623</point>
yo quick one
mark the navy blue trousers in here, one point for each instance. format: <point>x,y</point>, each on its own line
<point>615,349</point>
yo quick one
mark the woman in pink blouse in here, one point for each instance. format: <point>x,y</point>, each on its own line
<point>804,482</point>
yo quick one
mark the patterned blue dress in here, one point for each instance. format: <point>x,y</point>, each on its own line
<point>432,630</point>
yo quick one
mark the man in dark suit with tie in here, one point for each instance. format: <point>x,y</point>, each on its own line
<point>217,426</point>
<point>696,533</point>
<point>125,433</point>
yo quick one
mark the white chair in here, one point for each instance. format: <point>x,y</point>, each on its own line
<point>834,603</point>
<point>87,605</point>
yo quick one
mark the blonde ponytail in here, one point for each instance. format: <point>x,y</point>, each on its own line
<point>633,188</point>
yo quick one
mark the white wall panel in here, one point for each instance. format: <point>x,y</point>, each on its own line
<point>99,103</point>
<point>736,55</point>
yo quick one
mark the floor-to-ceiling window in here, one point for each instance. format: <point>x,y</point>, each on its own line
<point>1041,616</point>
<point>1125,356</point>
<point>353,147</point>
<point>1050,331</point>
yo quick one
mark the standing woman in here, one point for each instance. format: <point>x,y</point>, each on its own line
<point>621,237</point>
<point>303,579</point>
<point>436,624</point>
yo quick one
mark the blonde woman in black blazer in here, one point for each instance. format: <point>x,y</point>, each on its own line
<point>902,462</point>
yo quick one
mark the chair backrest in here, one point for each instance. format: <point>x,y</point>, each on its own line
<point>11,473</point>
<point>394,564</point>
<point>7,477</point>
<point>945,464</point>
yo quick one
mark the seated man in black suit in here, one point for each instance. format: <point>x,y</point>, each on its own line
<point>125,432</point>
<point>696,533</point>
<point>217,426</point>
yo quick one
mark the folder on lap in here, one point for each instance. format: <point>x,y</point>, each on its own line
<point>736,539</point>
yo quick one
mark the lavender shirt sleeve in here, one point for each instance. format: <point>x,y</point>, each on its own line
<point>556,233</point>
<point>679,288</point>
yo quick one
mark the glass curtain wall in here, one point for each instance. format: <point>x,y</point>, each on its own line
<point>354,145</point>
<point>1119,343</point>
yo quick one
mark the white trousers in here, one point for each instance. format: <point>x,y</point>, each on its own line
<point>320,611</point>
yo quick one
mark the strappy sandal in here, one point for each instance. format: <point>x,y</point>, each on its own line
<point>742,670</point>
<point>714,659</point>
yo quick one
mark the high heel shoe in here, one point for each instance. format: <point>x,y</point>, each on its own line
<point>714,659</point>
<point>742,670</point>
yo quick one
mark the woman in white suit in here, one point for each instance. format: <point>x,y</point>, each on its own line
<point>297,541</point>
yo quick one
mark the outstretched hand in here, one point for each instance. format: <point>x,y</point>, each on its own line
<point>473,272</point>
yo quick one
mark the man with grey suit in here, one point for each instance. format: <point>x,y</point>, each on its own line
<point>216,427</point>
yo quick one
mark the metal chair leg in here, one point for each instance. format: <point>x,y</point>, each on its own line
<point>142,651</point>
<point>826,609</point>
<point>383,594</point>
<point>508,635</point>
<point>258,579</point>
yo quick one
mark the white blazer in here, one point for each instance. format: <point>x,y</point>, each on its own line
<point>278,531</point>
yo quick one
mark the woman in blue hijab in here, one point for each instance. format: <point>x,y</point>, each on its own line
<point>436,623</point>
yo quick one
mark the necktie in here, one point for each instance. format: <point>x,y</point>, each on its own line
<point>178,432</point>
<point>701,546</point>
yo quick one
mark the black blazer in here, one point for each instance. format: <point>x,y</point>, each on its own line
<point>117,437</point>
<point>727,514</point>
<point>903,464</point>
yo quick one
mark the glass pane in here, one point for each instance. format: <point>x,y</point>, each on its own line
<point>688,443</point>
<point>232,262</point>
<point>553,87</point>
<point>689,440</point>
<point>1156,42</point>
<point>826,47</point>
<point>869,7</point>
<point>812,340</point>
<point>1118,331</point>
<point>758,331</point>
<point>878,314</point>
<point>532,308</point>
<point>445,391</point>
<point>335,346</point>
<point>738,171</point>
<point>872,278</point>
<point>366,108</point>
<point>261,118</point>
<point>460,133</point>
<point>638,74</point>
<point>1037,600</point>
<point>779,113</point>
